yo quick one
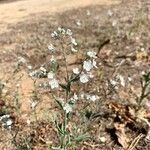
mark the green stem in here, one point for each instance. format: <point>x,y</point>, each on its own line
<point>63,140</point>
<point>65,59</point>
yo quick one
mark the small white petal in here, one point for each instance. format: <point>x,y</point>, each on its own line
<point>75,96</point>
<point>91,54</point>
<point>67,107</point>
<point>129,78</point>
<point>54,34</point>
<point>73,49</point>
<point>50,75</point>
<point>53,59</point>
<point>73,41</point>
<point>9,122</point>
<point>87,65</point>
<point>76,71</point>
<point>78,22</point>
<point>94,63</point>
<point>69,32</point>
<point>54,84</point>
<point>122,81</point>
<point>43,69</point>
<point>102,139</point>
<point>59,29</point>
<point>94,98</point>
<point>29,67</point>
<point>51,48</point>
<point>84,78</point>
<point>113,82</point>
<point>21,60</point>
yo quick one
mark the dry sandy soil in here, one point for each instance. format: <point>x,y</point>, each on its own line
<point>15,11</point>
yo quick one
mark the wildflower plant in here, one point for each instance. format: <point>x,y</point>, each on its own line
<point>61,77</point>
<point>81,73</point>
<point>145,87</point>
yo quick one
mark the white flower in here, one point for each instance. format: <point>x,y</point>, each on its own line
<point>82,95</point>
<point>29,67</point>
<point>51,48</point>
<point>67,108</point>
<point>50,75</point>
<point>113,82</point>
<point>32,74</point>
<point>69,32</point>
<point>76,71</point>
<point>73,41</point>
<point>43,69</point>
<point>4,117</point>
<point>54,83</point>
<point>91,54</point>
<point>129,78</point>
<point>102,139</point>
<point>6,121</point>
<point>9,122</point>
<point>61,30</point>
<point>73,49</point>
<point>92,97</point>
<point>78,22</point>
<point>21,60</point>
<point>75,96</point>
<point>54,34</point>
<point>143,73</point>
<point>94,63</point>
<point>84,78</point>
<point>122,81</point>
<point>53,59</point>
<point>88,97</point>
<point>87,65</point>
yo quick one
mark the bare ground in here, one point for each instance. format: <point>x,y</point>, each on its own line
<point>126,29</point>
<point>17,11</point>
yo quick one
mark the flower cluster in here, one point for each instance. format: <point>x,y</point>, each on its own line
<point>60,33</point>
<point>39,73</point>
<point>89,97</point>
<point>67,107</point>
<point>88,65</point>
<point>6,121</point>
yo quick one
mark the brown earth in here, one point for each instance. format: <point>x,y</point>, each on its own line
<point>126,54</point>
<point>17,11</point>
